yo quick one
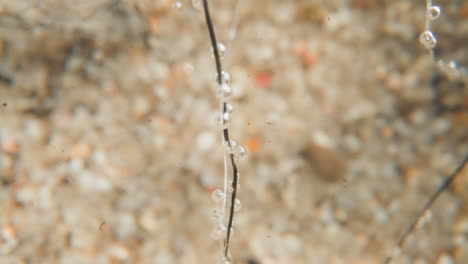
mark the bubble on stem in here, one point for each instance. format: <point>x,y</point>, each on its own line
<point>433,12</point>
<point>225,78</point>
<point>217,214</point>
<point>428,39</point>
<point>230,146</point>
<point>218,195</point>
<point>221,50</point>
<point>237,205</point>
<point>226,119</point>
<point>219,232</point>
<point>240,153</point>
<point>229,108</point>
<point>224,91</point>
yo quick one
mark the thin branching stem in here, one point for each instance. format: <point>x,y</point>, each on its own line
<point>235,172</point>
<point>413,226</point>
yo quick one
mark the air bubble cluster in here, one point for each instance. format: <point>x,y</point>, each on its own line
<point>233,150</point>
<point>217,214</point>
<point>229,108</point>
<point>428,39</point>
<point>224,91</point>
<point>230,146</point>
<point>225,78</point>
<point>225,117</point>
<point>238,151</point>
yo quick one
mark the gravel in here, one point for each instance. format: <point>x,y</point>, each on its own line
<point>109,145</point>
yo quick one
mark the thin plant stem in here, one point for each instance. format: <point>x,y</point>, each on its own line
<point>235,172</point>
<point>413,226</point>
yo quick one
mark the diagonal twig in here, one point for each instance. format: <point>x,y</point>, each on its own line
<point>412,227</point>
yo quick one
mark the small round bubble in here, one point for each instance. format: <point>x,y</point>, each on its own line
<point>230,146</point>
<point>224,91</point>
<point>428,39</point>
<point>240,153</point>
<point>433,12</point>
<point>217,214</point>
<point>197,4</point>
<point>229,108</point>
<point>237,205</point>
<point>177,5</point>
<point>225,78</point>
<point>219,232</point>
<point>226,119</point>
<point>221,50</point>
<point>218,195</point>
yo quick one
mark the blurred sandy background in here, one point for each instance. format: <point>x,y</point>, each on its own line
<point>109,148</point>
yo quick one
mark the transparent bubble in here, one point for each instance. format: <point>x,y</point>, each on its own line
<point>231,189</point>
<point>197,4</point>
<point>233,231</point>
<point>177,5</point>
<point>229,108</point>
<point>217,214</point>
<point>450,68</point>
<point>224,91</point>
<point>230,146</point>
<point>226,260</point>
<point>226,119</point>
<point>240,153</point>
<point>221,50</point>
<point>218,196</point>
<point>452,65</point>
<point>225,78</point>
<point>237,205</point>
<point>427,39</point>
<point>219,231</point>
<point>433,12</point>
